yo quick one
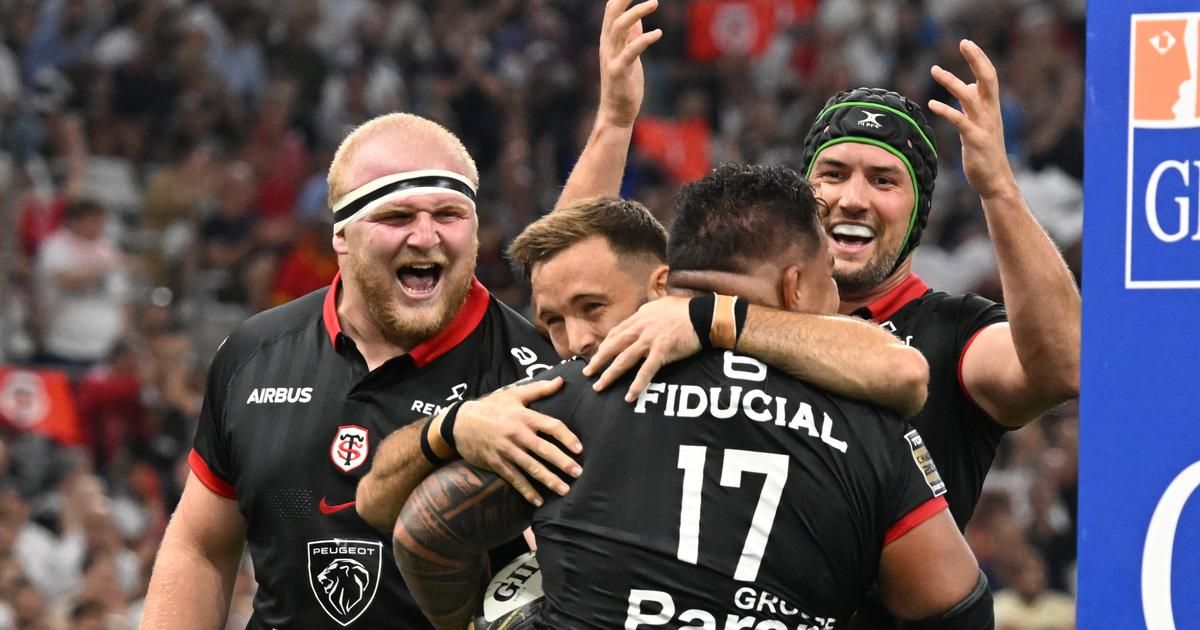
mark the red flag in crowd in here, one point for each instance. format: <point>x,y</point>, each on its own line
<point>681,148</point>
<point>717,28</point>
<point>39,401</point>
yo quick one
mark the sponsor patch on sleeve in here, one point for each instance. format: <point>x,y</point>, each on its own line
<point>924,461</point>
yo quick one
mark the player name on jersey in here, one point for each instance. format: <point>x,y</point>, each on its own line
<point>693,401</point>
<point>649,609</point>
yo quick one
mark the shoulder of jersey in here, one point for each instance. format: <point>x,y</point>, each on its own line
<point>511,317</point>
<point>953,301</point>
<point>516,330</point>
<point>274,323</point>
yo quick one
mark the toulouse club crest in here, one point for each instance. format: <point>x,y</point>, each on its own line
<point>344,576</point>
<point>349,448</point>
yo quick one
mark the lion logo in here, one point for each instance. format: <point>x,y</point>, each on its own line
<point>345,581</point>
<point>344,575</point>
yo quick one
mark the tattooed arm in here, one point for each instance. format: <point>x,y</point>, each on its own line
<point>443,534</point>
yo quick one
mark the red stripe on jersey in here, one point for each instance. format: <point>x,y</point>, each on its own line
<point>209,478</point>
<point>910,289</point>
<point>463,324</point>
<point>963,384</point>
<point>329,310</point>
<point>459,328</point>
<point>918,515</point>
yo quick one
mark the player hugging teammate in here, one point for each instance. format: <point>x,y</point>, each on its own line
<point>727,451</point>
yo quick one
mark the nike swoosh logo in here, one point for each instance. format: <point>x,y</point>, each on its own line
<point>333,509</point>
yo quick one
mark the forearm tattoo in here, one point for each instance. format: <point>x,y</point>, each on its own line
<point>443,534</point>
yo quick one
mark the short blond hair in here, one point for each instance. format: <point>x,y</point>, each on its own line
<point>421,130</point>
<point>629,228</point>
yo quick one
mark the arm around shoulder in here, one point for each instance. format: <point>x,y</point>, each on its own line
<point>843,354</point>
<point>197,563</point>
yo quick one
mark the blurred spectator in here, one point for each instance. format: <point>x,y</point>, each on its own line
<point>83,288</point>
<point>65,32</point>
<point>176,195</point>
<point>1027,604</point>
<point>29,610</point>
<point>111,406</point>
<point>89,614</point>
<point>308,266</point>
<point>10,80</point>
<point>38,552</point>
<point>245,64</point>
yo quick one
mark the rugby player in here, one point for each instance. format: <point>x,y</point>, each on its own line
<point>871,155</point>
<point>590,272</point>
<point>730,494</point>
<point>593,263</point>
<point>299,397</point>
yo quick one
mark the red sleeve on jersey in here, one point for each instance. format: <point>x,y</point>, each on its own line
<point>210,479</point>
<point>962,355</point>
<point>918,515</point>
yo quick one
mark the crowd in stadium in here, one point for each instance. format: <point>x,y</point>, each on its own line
<point>162,168</point>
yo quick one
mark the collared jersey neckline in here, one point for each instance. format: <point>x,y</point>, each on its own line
<point>887,304</point>
<point>459,328</point>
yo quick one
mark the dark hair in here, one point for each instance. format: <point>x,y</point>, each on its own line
<point>628,227</point>
<point>892,122</point>
<point>87,608</point>
<point>81,208</point>
<point>740,214</point>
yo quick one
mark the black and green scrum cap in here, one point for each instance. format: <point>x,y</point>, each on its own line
<point>891,122</point>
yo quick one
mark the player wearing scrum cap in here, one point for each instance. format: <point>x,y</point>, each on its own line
<point>299,397</point>
<point>870,153</point>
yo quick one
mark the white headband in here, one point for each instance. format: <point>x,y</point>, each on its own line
<point>361,201</point>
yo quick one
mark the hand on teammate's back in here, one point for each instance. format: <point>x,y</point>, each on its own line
<point>660,332</point>
<point>499,432</point>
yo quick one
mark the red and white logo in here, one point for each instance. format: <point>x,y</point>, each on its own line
<point>350,447</point>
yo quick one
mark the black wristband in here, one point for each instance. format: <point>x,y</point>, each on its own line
<point>448,421</point>
<point>741,307</point>
<point>700,309</point>
<point>426,449</point>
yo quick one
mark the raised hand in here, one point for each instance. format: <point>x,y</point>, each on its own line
<point>622,42</point>
<point>985,162</point>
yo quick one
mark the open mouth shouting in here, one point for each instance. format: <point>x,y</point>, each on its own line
<point>850,238</point>
<point>419,280</point>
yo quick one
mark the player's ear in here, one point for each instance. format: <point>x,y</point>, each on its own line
<point>791,289</point>
<point>657,283</point>
<point>340,246</point>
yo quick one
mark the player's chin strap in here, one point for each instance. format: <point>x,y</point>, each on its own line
<point>361,201</point>
<point>974,612</point>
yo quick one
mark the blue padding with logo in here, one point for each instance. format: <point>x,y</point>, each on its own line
<point>1139,530</point>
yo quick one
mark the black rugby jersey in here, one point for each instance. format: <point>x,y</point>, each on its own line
<point>728,494</point>
<point>961,436</point>
<point>290,420</point>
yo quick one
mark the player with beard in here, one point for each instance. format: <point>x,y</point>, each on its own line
<point>300,397</point>
<point>730,495</point>
<point>870,154</point>
<point>591,265</point>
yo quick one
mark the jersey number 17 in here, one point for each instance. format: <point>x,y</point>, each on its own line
<point>736,462</point>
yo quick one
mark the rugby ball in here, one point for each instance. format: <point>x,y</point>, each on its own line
<point>513,587</point>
